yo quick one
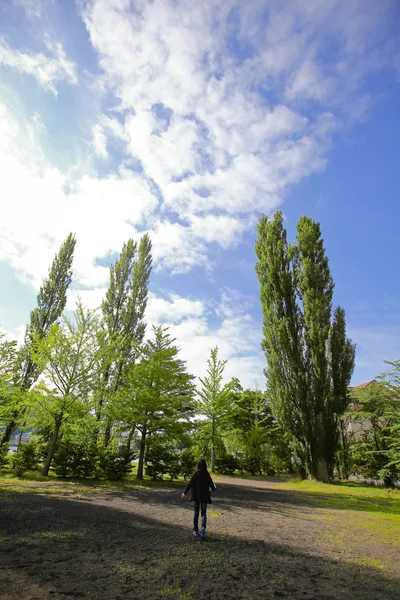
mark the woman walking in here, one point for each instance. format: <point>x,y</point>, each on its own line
<point>199,486</point>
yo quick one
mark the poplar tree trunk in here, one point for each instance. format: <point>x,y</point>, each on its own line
<point>322,470</point>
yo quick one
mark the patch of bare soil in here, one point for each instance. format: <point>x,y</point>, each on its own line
<point>263,543</point>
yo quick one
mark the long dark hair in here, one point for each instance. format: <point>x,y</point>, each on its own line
<point>202,466</point>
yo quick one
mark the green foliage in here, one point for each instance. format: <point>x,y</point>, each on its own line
<point>26,458</point>
<point>115,464</point>
<point>4,457</point>
<point>76,458</point>
<point>160,461</point>
<point>254,432</point>
<point>10,392</point>
<point>377,453</point>
<point>214,399</point>
<point>310,360</point>
<point>69,357</point>
<point>226,464</point>
<point>18,464</point>
<point>157,397</point>
<point>188,462</point>
<point>123,310</point>
<point>51,301</point>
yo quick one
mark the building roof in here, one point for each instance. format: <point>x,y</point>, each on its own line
<point>364,385</point>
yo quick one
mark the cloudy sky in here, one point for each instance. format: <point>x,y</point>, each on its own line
<point>188,120</point>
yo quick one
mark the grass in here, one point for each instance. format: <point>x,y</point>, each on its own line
<point>347,496</point>
<point>57,484</point>
<point>60,535</point>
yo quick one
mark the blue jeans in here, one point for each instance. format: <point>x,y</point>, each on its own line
<point>197,507</point>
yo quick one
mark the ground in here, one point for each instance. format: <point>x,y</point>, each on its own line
<point>266,540</point>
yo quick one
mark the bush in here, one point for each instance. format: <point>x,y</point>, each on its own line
<point>173,465</point>
<point>249,464</point>
<point>18,465</point>
<point>75,459</point>
<point>157,460</point>
<point>4,455</point>
<point>162,461</point>
<point>188,462</point>
<point>115,464</point>
<point>388,476</point>
<point>226,464</point>
<point>26,458</point>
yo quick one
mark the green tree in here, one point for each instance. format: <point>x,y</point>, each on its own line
<point>157,395</point>
<point>8,366</point>
<point>123,310</point>
<point>214,399</point>
<point>68,358</point>
<point>376,449</point>
<point>50,305</point>
<point>254,431</point>
<point>309,359</point>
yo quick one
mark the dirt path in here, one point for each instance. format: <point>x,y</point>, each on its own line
<point>136,543</point>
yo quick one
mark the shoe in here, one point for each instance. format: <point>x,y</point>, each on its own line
<point>203,533</point>
<point>195,533</point>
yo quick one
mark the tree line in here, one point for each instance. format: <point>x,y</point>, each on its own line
<point>98,393</point>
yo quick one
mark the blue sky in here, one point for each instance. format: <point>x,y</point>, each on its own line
<point>188,120</point>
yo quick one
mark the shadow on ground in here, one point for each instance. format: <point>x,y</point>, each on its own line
<point>52,547</point>
<point>232,495</point>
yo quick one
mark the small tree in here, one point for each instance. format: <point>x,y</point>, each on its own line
<point>157,397</point>
<point>214,398</point>
<point>254,431</point>
<point>188,461</point>
<point>377,451</point>
<point>69,359</point>
<point>10,393</point>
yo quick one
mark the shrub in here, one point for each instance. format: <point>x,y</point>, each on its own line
<point>157,460</point>
<point>188,462</point>
<point>26,458</point>
<point>161,461</point>
<point>173,465</point>
<point>115,464</point>
<point>226,464</point>
<point>75,459</point>
<point>17,463</point>
<point>4,455</point>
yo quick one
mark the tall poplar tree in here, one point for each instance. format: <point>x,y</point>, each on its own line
<point>123,310</point>
<point>309,358</point>
<point>51,302</point>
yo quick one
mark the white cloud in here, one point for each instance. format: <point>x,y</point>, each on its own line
<point>217,109</point>
<point>201,120</point>
<point>33,8</point>
<point>48,69</point>
<point>173,309</point>
<point>44,204</point>
<point>233,330</point>
<point>99,141</point>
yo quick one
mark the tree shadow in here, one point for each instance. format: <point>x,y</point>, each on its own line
<point>54,547</point>
<point>234,495</point>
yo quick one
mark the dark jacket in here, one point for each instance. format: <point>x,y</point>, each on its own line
<point>199,487</point>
